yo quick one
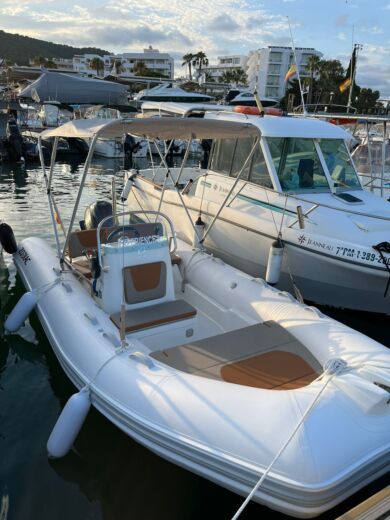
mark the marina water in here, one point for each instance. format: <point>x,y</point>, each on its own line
<point>107,475</point>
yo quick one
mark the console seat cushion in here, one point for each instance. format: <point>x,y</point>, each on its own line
<point>155,315</point>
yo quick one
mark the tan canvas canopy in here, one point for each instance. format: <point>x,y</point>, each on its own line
<point>154,128</point>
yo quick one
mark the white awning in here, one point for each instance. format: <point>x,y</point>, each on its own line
<point>155,128</point>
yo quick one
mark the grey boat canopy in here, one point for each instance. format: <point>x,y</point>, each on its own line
<point>155,128</point>
<point>65,88</point>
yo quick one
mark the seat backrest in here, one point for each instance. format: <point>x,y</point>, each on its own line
<point>145,282</point>
<point>138,268</point>
<point>86,240</point>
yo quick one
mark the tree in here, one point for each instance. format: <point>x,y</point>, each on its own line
<point>313,63</point>
<point>226,76</point>
<point>97,64</point>
<point>140,69</point>
<point>39,60</point>
<point>209,78</point>
<point>199,60</point>
<point>238,76</point>
<point>366,100</point>
<point>325,89</point>
<point>50,64</point>
<point>187,61</point>
<point>118,67</point>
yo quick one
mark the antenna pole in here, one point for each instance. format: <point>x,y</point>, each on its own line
<point>297,66</point>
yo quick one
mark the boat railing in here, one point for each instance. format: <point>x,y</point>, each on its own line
<point>314,204</point>
<point>153,213</point>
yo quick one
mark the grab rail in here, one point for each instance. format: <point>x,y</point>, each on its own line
<point>150,212</point>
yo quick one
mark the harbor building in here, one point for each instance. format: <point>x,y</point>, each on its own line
<point>266,68</point>
<point>153,59</point>
<point>225,64</point>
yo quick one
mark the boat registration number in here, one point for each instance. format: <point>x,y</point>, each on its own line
<point>360,255</point>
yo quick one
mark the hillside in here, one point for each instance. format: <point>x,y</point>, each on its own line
<point>19,49</point>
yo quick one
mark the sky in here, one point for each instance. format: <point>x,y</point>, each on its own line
<point>217,27</point>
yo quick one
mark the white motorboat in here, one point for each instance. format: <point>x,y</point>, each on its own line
<point>171,92</point>
<point>246,98</point>
<point>298,185</point>
<point>206,366</point>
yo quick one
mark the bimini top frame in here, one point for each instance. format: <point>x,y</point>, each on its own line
<point>164,128</point>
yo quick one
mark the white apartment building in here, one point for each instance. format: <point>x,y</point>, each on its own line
<point>266,68</point>
<point>225,63</point>
<point>153,59</point>
<point>62,63</point>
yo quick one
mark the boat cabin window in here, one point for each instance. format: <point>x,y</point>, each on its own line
<point>297,164</point>
<point>222,158</point>
<point>243,149</point>
<point>259,171</point>
<point>339,163</point>
<point>237,151</point>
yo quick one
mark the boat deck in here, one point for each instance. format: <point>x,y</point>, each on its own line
<point>264,355</point>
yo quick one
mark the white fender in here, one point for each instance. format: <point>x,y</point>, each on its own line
<point>21,311</point>
<point>69,424</point>
<point>274,264</point>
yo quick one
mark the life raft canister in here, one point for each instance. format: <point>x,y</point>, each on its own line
<point>254,111</point>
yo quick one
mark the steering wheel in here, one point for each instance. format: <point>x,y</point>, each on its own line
<point>122,232</point>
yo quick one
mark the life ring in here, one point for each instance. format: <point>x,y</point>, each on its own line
<point>342,121</point>
<point>254,111</point>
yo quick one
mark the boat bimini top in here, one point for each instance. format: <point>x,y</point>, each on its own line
<point>154,129</point>
<point>162,128</point>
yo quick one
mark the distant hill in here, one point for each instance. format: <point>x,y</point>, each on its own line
<point>19,49</point>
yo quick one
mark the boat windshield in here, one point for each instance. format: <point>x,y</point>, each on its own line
<point>339,163</point>
<point>297,164</point>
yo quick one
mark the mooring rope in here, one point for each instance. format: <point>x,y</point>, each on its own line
<point>332,367</point>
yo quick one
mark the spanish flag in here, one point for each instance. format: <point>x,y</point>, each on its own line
<point>291,72</point>
<point>344,85</point>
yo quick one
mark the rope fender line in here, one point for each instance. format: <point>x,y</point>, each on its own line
<point>332,368</point>
<point>384,247</point>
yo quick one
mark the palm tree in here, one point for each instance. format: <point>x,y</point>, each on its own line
<point>226,77</point>
<point>187,61</point>
<point>118,67</point>
<point>97,64</point>
<point>200,59</point>
<point>209,78</point>
<point>140,69</point>
<point>314,64</point>
<point>238,76</point>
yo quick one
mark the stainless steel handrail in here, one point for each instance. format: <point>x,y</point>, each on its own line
<point>150,212</point>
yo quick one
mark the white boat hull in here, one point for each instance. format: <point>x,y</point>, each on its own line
<point>215,429</point>
<point>108,148</point>
<point>319,265</point>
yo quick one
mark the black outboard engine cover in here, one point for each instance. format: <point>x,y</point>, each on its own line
<point>96,212</point>
<point>7,239</point>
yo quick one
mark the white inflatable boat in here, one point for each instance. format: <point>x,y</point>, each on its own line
<point>208,367</point>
